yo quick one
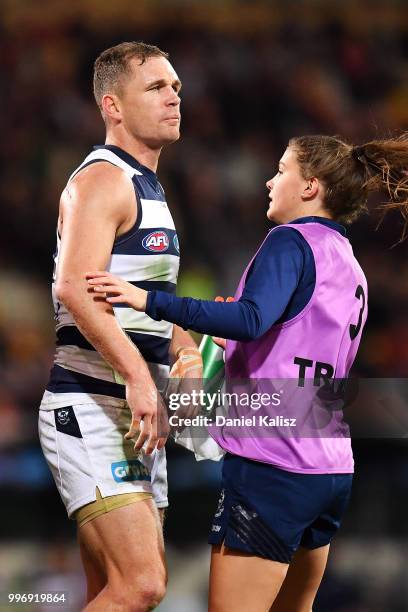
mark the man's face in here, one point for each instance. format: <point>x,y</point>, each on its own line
<point>149,102</point>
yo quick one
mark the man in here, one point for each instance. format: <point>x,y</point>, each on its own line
<point>102,391</point>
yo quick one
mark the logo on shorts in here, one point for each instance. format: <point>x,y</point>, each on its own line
<point>66,422</point>
<point>158,242</point>
<point>63,416</point>
<point>220,508</point>
<point>128,471</point>
<point>176,243</point>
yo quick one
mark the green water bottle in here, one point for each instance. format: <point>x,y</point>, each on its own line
<point>213,359</point>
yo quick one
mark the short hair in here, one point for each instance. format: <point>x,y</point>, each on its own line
<point>113,64</point>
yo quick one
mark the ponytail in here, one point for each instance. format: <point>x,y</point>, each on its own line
<point>386,167</point>
<point>350,173</point>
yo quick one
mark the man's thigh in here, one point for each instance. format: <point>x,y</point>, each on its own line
<point>127,543</point>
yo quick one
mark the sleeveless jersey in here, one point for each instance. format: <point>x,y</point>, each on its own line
<point>292,358</point>
<point>148,257</point>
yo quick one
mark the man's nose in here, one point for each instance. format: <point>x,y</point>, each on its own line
<point>174,99</point>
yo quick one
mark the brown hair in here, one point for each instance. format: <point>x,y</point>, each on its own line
<point>349,173</point>
<point>114,63</point>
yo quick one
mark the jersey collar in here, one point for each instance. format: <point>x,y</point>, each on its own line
<point>129,159</point>
<point>323,221</point>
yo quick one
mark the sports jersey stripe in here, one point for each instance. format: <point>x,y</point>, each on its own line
<point>147,191</point>
<point>129,320</point>
<point>138,244</point>
<point>140,268</point>
<point>155,213</point>
<point>109,156</point>
<point>88,362</point>
<point>153,348</point>
<point>85,361</point>
<point>63,380</point>
<point>158,285</point>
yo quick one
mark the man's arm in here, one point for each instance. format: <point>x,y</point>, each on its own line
<point>186,374</point>
<point>180,339</point>
<point>94,208</point>
<point>186,358</point>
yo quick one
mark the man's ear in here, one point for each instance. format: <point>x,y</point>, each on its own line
<point>311,190</point>
<point>111,107</point>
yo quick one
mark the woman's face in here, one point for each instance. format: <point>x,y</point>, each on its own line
<point>287,190</point>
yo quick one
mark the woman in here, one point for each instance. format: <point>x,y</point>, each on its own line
<point>298,315</point>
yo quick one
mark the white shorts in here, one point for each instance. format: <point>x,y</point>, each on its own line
<point>85,448</point>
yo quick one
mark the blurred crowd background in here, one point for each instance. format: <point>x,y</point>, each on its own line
<point>254,74</point>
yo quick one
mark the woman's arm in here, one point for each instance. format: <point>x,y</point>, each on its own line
<point>269,287</point>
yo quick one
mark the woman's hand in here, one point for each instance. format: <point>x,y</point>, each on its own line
<point>117,290</point>
<point>220,342</point>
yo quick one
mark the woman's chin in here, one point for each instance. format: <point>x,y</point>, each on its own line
<point>270,215</point>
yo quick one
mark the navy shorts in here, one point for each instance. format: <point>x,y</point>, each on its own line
<point>269,512</point>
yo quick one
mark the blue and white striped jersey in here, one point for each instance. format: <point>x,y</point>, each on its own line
<point>147,256</point>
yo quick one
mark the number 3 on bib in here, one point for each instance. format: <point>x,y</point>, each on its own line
<point>354,329</point>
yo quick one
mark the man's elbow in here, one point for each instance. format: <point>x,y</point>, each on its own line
<point>66,291</point>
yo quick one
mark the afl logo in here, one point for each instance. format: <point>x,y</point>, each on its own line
<point>157,242</point>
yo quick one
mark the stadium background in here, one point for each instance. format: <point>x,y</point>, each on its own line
<point>254,74</point>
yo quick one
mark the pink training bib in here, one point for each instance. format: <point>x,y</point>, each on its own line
<point>300,362</point>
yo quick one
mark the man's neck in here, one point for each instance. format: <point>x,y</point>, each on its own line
<point>145,155</point>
